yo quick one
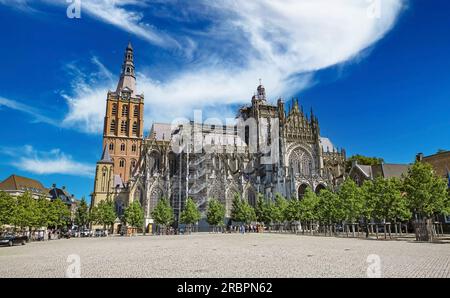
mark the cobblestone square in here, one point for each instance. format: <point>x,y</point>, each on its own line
<point>225,255</point>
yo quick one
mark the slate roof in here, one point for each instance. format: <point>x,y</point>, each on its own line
<point>385,170</point>
<point>106,158</point>
<point>161,132</point>
<point>367,170</point>
<point>394,170</point>
<point>62,194</point>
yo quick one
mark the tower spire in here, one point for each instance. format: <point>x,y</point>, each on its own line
<point>127,80</point>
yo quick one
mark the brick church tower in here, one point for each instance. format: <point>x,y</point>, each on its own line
<point>124,121</point>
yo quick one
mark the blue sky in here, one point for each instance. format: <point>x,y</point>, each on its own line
<point>377,74</point>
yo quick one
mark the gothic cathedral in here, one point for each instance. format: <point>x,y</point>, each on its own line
<point>147,169</point>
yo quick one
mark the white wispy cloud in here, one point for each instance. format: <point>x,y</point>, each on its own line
<point>37,115</point>
<point>282,42</point>
<point>28,159</point>
<point>86,99</point>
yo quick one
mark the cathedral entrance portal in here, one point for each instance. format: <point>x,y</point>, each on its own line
<point>302,191</point>
<point>319,188</point>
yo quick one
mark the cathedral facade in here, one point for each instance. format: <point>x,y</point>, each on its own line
<point>268,149</point>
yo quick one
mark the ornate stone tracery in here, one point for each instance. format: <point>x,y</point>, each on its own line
<point>301,162</point>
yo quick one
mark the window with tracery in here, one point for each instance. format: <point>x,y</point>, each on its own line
<point>301,162</point>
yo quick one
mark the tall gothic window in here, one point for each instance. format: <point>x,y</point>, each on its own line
<point>172,163</point>
<point>111,146</point>
<point>122,163</point>
<point>125,111</point>
<point>247,134</point>
<point>136,111</point>
<point>114,109</point>
<point>300,162</point>
<point>103,183</point>
<point>154,164</point>
<point>133,148</point>
<point>122,147</point>
<point>133,166</point>
<point>123,127</point>
<point>112,127</point>
<point>135,128</point>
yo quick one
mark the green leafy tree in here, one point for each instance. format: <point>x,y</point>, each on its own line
<point>215,213</point>
<point>7,209</point>
<point>261,205</point>
<point>163,213</point>
<point>104,214</point>
<point>369,203</point>
<point>59,214</point>
<point>330,209</point>
<point>308,206</point>
<point>389,202</point>
<point>249,214</point>
<point>134,215</point>
<point>237,208</point>
<point>190,215</point>
<point>265,210</point>
<point>293,210</point>
<point>43,211</point>
<point>25,212</point>
<point>82,214</point>
<point>242,211</point>
<point>308,209</point>
<point>384,202</point>
<point>281,205</point>
<point>426,193</point>
<point>352,201</point>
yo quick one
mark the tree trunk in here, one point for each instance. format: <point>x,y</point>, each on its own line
<point>430,230</point>
<point>424,230</point>
<point>389,229</point>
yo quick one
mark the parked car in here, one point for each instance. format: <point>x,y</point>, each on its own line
<point>65,234</point>
<point>11,239</point>
<point>100,233</point>
<point>85,233</point>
